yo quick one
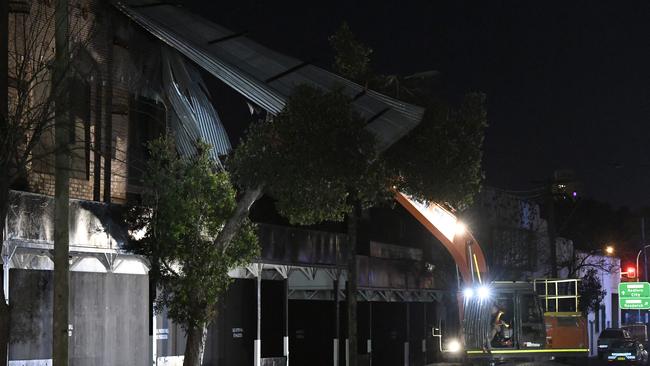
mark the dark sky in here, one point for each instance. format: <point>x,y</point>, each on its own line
<point>568,83</point>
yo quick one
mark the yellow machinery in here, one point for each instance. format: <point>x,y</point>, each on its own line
<point>537,320</point>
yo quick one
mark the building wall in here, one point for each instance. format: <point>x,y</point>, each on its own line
<point>93,45</point>
<point>609,314</point>
<point>511,233</point>
<point>108,317</point>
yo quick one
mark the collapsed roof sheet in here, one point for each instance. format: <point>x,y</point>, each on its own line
<point>260,74</point>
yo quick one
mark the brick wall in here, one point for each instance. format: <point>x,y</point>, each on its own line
<point>92,40</point>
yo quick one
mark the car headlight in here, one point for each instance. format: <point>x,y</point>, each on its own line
<point>602,346</point>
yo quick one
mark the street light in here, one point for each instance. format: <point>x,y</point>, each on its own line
<point>637,263</point>
<point>484,292</point>
<point>609,250</point>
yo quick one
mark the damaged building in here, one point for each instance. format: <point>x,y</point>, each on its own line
<point>144,67</point>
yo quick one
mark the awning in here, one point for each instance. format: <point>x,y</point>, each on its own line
<point>265,77</point>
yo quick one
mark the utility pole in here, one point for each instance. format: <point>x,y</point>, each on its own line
<point>4,123</point>
<point>550,207</point>
<point>645,255</point>
<point>60,87</point>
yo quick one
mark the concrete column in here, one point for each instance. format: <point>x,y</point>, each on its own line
<point>347,352</point>
<point>285,343</point>
<point>257,352</point>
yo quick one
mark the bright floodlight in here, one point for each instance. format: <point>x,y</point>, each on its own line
<point>609,250</point>
<point>453,346</point>
<point>468,292</point>
<point>460,228</point>
<point>483,292</point>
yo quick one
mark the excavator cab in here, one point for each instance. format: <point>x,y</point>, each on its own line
<point>519,321</point>
<point>524,320</point>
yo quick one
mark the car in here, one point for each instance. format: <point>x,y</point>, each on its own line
<point>626,351</point>
<point>609,336</point>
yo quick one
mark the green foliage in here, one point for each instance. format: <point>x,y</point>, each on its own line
<point>315,159</point>
<point>185,205</point>
<point>318,160</point>
<point>591,291</point>
<point>440,160</point>
<point>352,59</point>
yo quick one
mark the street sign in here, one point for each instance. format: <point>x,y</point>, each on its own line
<point>634,289</point>
<point>634,295</point>
<point>640,303</point>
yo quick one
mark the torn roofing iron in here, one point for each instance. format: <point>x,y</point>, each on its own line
<point>194,117</point>
<point>262,75</point>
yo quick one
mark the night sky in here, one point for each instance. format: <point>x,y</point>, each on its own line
<point>568,83</point>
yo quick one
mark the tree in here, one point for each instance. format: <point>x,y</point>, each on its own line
<point>591,292</point>
<point>352,58</point>
<point>318,161</point>
<point>185,203</point>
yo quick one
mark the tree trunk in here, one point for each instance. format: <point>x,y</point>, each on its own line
<point>352,285</point>
<point>195,346</point>
<point>61,190</point>
<point>234,222</point>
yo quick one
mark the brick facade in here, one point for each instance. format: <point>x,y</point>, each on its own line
<point>93,41</point>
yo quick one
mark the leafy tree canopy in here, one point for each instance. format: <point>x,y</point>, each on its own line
<point>591,291</point>
<point>439,160</point>
<point>352,58</point>
<point>314,158</point>
<point>185,205</point>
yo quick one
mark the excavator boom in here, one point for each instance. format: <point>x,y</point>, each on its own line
<point>445,226</point>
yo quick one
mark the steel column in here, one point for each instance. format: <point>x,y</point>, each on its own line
<point>5,278</point>
<point>337,325</point>
<point>424,334</point>
<point>257,352</point>
<point>370,331</point>
<point>408,335</point>
<point>285,343</point>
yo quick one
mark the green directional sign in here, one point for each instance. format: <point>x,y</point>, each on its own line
<point>640,303</point>
<point>634,295</point>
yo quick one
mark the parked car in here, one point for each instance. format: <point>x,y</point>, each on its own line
<point>627,351</point>
<point>610,335</point>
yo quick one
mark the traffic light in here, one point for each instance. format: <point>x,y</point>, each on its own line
<point>630,273</point>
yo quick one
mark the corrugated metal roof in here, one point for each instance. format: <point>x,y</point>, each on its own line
<point>194,116</point>
<point>265,77</point>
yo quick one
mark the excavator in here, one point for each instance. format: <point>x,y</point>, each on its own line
<point>502,320</point>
